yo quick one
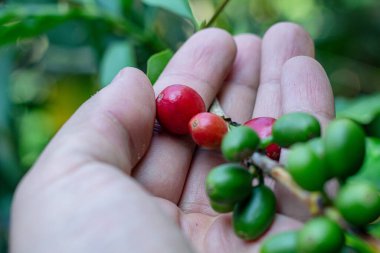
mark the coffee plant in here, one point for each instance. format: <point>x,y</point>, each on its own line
<point>339,221</point>
<point>74,47</point>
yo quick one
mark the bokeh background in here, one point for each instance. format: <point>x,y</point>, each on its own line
<point>54,54</point>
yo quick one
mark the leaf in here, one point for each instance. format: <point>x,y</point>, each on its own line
<point>6,57</point>
<point>157,63</point>
<point>117,56</point>
<point>370,170</point>
<point>28,20</point>
<point>362,109</point>
<point>22,22</point>
<point>35,130</point>
<point>114,6</point>
<point>9,170</point>
<point>179,7</point>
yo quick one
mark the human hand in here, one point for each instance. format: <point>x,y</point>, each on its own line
<point>105,184</point>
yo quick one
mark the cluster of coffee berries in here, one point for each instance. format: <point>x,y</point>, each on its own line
<point>238,185</point>
<point>181,110</point>
<point>231,187</point>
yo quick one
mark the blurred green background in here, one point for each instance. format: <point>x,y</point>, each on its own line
<point>56,54</point>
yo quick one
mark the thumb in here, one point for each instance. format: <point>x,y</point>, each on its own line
<point>113,127</point>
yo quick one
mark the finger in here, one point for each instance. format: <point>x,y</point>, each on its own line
<point>280,43</point>
<point>77,189</point>
<point>201,63</point>
<point>104,210</point>
<point>237,99</point>
<point>217,233</point>
<point>81,167</point>
<point>113,127</point>
<point>304,87</point>
<point>238,95</point>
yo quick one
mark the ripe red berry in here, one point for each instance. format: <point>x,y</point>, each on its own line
<point>263,127</point>
<point>176,105</point>
<point>207,129</point>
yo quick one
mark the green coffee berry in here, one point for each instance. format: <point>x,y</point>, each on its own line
<point>344,144</point>
<point>320,235</point>
<point>285,242</point>
<point>227,184</point>
<point>306,167</point>
<point>295,127</point>
<point>239,143</point>
<point>359,203</point>
<point>254,215</point>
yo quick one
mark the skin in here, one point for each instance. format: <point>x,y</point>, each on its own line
<point>104,184</point>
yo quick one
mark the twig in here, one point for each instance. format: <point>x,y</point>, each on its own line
<point>314,200</point>
<point>216,14</point>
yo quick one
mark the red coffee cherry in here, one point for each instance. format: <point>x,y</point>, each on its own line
<point>176,105</point>
<point>263,127</point>
<point>207,129</point>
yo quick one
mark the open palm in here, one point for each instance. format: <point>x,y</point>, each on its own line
<point>105,184</point>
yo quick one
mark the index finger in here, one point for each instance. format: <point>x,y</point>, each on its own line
<point>202,63</point>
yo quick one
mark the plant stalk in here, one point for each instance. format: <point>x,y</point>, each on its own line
<point>216,14</point>
<point>313,200</point>
<point>316,201</point>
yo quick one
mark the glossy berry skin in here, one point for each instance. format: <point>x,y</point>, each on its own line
<point>176,105</point>
<point>222,207</point>
<point>239,143</point>
<point>207,129</point>
<point>227,184</point>
<point>320,235</point>
<point>306,167</point>
<point>255,214</point>
<point>284,242</point>
<point>344,145</point>
<point>295,127</point>
<point>359,203</point>
<point>263,127</point>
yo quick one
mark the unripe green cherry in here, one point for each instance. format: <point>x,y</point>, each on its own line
<point>358,203</point>
<point>239,143</point>
<point>227,184</point>
<point>320,235</point>
<point>306,167</point>
<point>255,214</point>
<point>222,207</point>
<point>295,127</point>
<point>316,145</point>
<point>284,242</point>
<point>344,144</point>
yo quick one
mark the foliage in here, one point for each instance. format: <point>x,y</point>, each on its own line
<point>157,63</point>
<point>55,54</point>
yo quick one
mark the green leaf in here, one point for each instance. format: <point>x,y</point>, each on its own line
<point>370,170</point>
<point>362,109</point>
<point>6,57</point>
<point>179,7</point>
<point>9,166</point>
<point>157,63</point>
<point>117,56</point>
<point>22,22</point>
<point>28,20</point>
<point>114,7</point>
